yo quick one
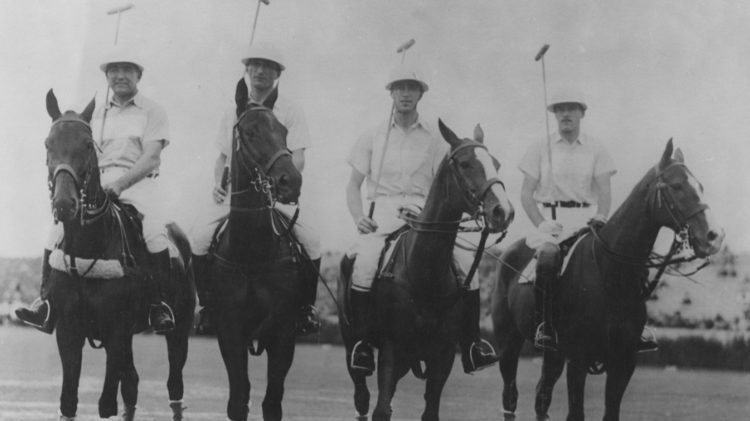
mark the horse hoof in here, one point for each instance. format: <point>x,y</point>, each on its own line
<point>361,417</point>
<point>62,417</point>
<point>177,410</point>
<point>128,412</point>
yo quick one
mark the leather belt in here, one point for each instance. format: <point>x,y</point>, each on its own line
<point>568,204</point>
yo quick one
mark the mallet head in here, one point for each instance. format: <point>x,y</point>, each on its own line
<point>405,46</point>
<point>120,9</point>
<point>541,52</point>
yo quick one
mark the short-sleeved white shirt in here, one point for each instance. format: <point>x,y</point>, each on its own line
<point>288,114</point>
<point>574,168</point>
<point>412,158</point>
<point>127,128</point>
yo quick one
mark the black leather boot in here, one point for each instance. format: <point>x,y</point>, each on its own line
<point>476,353</point>
<point>308,320</point>
<point>363,356</point>
<point>41,316</point>
<point>202,270</point>
<point>545,337</point>
<point>160,315</point>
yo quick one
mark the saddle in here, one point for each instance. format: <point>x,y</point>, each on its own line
<point>565,248</point>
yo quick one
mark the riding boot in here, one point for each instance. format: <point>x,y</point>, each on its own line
<point>476,353</point>
<point>41,317</point>
<point>363,356</point>
<point>202,270</point>
<point>308,320</point>
<point>160,315</point>
<point>545,336</point>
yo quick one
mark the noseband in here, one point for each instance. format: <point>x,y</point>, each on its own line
<point>475,199</point>
<point>663,198</point>
<point>261,181</point>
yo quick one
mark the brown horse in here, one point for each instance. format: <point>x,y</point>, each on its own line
<point>97,229</point>
<point>256,280</point>
<point>418,310</point>
<point>599,310</point>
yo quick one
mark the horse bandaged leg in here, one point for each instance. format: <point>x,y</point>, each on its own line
<point>87,268</point>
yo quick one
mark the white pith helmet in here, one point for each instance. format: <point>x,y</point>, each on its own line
<point>264,52</point>
<point>567,96</point>
<point>122,55</point>
<point>406,73</point>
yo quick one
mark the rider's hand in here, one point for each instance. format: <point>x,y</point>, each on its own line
<point>113,189</point>
<point>598,221</point>
<point>553,228</point>
<point>219,194</point>
<point>366,225</point>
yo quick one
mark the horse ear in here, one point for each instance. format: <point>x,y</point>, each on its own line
<point>241,95</point>
<point>667,156</point>
<point>448,134</point>
<point>479,134</point>
<point>272,97</point>
<point>89,111</point>
<point>679,156</point>
<point>52,108</point>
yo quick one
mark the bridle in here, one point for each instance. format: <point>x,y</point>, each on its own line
<point>88,212</point>
<point>661,198</point>
<point>261,182</point>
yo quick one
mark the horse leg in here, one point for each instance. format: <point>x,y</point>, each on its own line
<point>233,346</point>
<point>70,340</point>
<point>129,378</point>
<point>280,350</point>
<point>509,343</point>
<point>361,392</point>
<point>439,368</point>
<point>577,371</point>
<point>552,368</point>
<point>177,351</point>
<point>620,369</point>
<point>390,370</point>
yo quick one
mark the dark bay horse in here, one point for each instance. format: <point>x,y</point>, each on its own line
<point>418,311</point>
<point>106,310</point>
<point>600,310</point>
<point>255,274</point>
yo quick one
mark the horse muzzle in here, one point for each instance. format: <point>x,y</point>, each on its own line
<point>287,186</point>
<point>706,237</point>
<point>498,211</point>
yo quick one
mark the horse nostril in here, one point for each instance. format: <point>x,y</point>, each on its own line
<point>498,214</point>
<point>712,235</point>
<point>283,181</point>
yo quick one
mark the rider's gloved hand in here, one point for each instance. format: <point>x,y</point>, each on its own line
<point>598,221</point>
<point>219,194</point>
<point>366,225</point>
<point>553,228</point>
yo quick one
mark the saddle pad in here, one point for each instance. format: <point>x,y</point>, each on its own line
<point>102,269</point>
<point>529,273</point>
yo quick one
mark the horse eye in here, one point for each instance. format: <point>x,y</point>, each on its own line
<point>464,165</point>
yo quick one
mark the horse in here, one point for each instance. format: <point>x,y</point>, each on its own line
<point>599,307</point>
<point>98,229</point>
<point>255,272</point>
<point>418,310</point>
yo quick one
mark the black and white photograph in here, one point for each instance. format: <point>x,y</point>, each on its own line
<point>374,210</point>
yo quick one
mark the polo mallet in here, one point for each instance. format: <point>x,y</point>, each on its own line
<point>118,11</point>
<point>255,22</point>
<point>400,50</point>
<point>540,56</point>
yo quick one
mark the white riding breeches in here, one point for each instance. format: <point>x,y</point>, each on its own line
<point>368,247</point>
<point>572,219</point>
<point>205,226</point>
<point>145,195</point>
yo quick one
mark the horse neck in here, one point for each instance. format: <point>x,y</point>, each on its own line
<point>250,234</point>
<point>429,254</point>
<point>631,230</point>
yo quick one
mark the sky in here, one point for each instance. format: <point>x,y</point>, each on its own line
<point>650,71</point>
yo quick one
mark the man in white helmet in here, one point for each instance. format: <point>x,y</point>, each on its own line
<point>135,130</point>
<point>263,66</point>
<point>413,153</point>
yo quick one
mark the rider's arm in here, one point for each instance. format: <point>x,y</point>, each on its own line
<point>148,161</point>
<point>219,193</point>
<point>364,224</point>
<point>298,159</point>
<point>527,199</point>
<point>604,189</point>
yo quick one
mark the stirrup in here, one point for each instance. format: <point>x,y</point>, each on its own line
<point>368,370</point>
<point>171,314</point>
<point>539,338</point>
<point>492,356</point>
<point>34,305</point>
<point>312,322</point>
<point>649,340</point>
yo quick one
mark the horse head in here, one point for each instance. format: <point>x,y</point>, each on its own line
<point>262,150</point>
<point>475,178</point>
<point>676,201</point>
<point>71,159</point>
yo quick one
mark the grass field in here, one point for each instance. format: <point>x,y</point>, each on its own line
<point>318,387</point>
